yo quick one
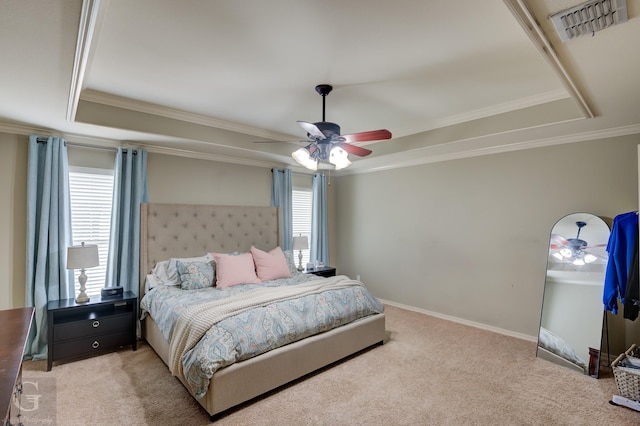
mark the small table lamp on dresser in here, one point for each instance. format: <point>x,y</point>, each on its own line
<point>300,243</point>
<point>82,257</point>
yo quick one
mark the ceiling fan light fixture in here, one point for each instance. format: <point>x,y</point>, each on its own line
<point>589,258</point>
<point>339,158</point>
<point>578,261</point>
<point>565,252</point>
<point>304,158</point>
<point>328,144</point>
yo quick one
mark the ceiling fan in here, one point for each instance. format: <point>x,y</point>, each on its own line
<point>326,142</point>
<point>573,250</point>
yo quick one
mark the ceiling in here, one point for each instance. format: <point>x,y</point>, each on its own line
<point>448,78</point>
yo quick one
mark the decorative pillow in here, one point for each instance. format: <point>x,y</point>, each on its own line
<point>272,265</point>
<point>291,262</point>
<point>235,269</point>
<point>195,275</point>
<point>166,273</point>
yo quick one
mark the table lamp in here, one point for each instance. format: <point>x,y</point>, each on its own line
<point>300,243</point>
<point>82,257</point>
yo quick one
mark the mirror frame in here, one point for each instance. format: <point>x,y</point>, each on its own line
<point>586,282</point>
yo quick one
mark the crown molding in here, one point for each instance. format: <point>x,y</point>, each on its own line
<point>528,22</point>
<point>477,114</point>
<point>88,17</point>
<point>418,156</point>
<point>173,113</point>
<point>96,142</point>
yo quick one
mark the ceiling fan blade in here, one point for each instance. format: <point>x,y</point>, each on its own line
<point>312,129</point>
<point>596,246</point>
<point>355,150</point>
<point>289,142</point>
<point>558,241</point>
<point>373,135</point>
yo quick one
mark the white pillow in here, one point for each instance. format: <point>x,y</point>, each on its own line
<point>150,283</point>
<point>166,272</point>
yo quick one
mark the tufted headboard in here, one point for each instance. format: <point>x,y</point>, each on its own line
<point>188,230</point>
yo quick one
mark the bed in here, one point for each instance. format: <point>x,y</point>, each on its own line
<point>183,231</point>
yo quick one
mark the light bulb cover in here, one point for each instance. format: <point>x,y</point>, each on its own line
<point>339,157</point>
<point>304,158</point>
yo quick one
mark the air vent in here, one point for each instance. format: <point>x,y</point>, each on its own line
<point>589,17</point>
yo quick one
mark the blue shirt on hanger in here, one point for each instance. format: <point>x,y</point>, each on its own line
<point>620,248</point>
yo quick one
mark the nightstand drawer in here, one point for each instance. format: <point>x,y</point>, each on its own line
<point>97,326</point>
<point>92,327</point>
<point>85,346</point>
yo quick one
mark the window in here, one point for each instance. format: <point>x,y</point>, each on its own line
<point>302,218</point>
<point>91,198</point>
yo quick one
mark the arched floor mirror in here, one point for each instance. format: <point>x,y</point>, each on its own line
<point>572,310</point>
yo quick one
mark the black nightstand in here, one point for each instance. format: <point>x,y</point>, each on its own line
<point>83,329</point>
<point>322,271</point>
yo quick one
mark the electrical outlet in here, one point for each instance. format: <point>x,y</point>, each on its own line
<point>358,277</point>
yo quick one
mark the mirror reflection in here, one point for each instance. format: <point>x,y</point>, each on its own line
<point>572,311</point>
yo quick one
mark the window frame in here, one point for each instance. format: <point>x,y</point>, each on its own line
<point>96,277</point>
<point>303,225</point>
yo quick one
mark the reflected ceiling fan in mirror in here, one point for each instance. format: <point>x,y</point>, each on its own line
<point>573,250</point>
<point>327,144</point>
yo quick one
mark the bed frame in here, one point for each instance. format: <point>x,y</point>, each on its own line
<point>185,230</point>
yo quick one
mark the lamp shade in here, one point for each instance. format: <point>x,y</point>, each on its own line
<point>300,243</point>
<point>339,158</point>
<point>82,256</point>
<point>303,157</point>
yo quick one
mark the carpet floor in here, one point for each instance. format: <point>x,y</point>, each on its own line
<point>428,372</point>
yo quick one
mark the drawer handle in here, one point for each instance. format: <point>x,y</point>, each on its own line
<point>96,324</point>
<point>95,344</point>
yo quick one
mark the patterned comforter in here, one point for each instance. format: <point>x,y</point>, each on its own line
<point>257,330</point>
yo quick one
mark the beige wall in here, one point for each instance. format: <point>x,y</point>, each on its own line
<point>187,180</point>
<point>469,238</point>
<point>466,238</point>
<point>13,223</point>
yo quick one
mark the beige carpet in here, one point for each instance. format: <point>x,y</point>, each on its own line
<point>428,372</point>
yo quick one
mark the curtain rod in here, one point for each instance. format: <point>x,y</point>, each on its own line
<point>81,145</point>
<point>292,172</point>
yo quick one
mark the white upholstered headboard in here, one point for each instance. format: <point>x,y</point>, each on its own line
<point>188,230</point>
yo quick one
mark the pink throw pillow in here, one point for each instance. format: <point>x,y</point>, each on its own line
<point>234,269</point>
<point>272,265</point>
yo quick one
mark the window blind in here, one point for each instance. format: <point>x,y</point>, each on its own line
<point>91,199</point>
<point>301,206</point>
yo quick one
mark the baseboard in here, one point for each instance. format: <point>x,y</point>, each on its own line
<point>463,321</point>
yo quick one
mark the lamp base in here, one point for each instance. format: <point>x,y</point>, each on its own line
<point>300,267</point>
<point>82,297</point>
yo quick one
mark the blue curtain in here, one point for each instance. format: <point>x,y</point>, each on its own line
<point>48,235</point>
<point>129,191</point>
<point>282,196</point>
<point>319,231</point>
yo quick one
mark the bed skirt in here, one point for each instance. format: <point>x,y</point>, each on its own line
<point>245,380</point>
